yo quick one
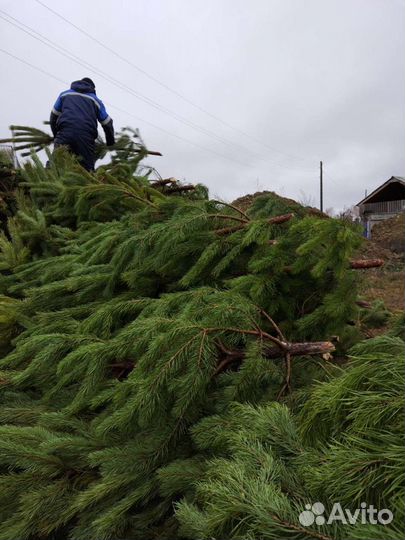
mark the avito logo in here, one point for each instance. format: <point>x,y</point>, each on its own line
<point>314,513</point>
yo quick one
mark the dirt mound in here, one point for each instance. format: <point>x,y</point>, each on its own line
<point>388,282</point>
<point>246,201</point>
<point>374,250</point>
<point>279,202</point>
<point>390,234</point>
<point>387,241</point>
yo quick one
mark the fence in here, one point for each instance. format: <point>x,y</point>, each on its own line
<point>384,207</point>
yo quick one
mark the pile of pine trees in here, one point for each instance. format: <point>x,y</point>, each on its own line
<point>170,364</point>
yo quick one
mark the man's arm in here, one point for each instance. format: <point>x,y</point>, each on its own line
<point>107,124</point>
<point>55,113</point>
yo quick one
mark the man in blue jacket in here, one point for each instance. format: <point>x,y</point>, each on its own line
<point>74,121</point>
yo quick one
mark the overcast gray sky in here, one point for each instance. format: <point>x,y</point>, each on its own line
<point>305,80</point>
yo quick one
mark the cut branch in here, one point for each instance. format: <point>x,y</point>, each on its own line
<point>306,348</point>
<point>359,264</point>
<point>228,230</point>
<point>179,189</point>
<point>277,220</point>
<point>301,349</point>
<point>163,182</point>
<point>366,263</point>
<point>364,304</point>
<point>289,350</point>
<point>280,219</point>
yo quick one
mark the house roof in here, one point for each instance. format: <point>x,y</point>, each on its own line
<point>392,180</point>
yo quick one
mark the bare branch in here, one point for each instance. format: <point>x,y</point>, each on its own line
<point>241,212</point>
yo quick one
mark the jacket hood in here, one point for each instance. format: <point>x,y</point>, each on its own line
<point>84,87</point>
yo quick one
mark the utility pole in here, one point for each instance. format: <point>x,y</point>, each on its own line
<point>321,186</point>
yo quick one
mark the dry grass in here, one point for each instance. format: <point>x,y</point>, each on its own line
<point>387,284</point>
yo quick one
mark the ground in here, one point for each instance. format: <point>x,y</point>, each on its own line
<point>388,282</point>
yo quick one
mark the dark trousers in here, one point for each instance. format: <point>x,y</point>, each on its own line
<point>80,144</point>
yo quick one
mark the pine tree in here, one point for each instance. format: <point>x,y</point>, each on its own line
<point>134,312</point>
<point>9,180</point>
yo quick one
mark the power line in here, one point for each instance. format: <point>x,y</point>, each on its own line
<point>164,85</point>
<point>64,52</point>
<point>31,65</point>
<point>50,75</point>
<point>44,72</point>
<point>327,173</point>
<point>179,136</point>
<point>67,54</point>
